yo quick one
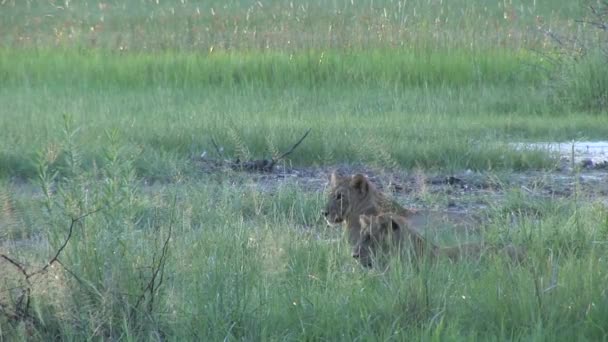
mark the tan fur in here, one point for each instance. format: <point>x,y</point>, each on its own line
<point>381,233</point>
<point>385,232</point>
<point>351,196</point>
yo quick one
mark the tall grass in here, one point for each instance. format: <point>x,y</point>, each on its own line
<point>241,69</point>
<point>579,79</point>
<point>207,25</point>
<point>243,265</point>
<point>102,99</point>
<point>431,81</point>
<point>433,111</point>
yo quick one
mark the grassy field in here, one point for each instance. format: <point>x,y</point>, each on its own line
<point>107,106</point>
<point>432,82</point>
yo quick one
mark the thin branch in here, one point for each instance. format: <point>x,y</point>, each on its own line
<point>264,165</point>
<point>293,147</point>
<point>65,243</point>
<point>16,264</point>
<point>21,309</point>
<point>151,287</point>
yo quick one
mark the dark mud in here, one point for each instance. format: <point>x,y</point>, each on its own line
<point>465,191</point>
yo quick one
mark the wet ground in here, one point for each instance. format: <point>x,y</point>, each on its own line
<point>591,154</point>
<point>466,193</point>
<point>453,206</point>
<point>581,170</point>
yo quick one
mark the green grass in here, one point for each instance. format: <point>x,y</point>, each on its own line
<point>426,83</point>
<point>107,104</point>
<point>245,266</point>
<point>244,24</point>
<point>432,112</point>
<point>245,69</point>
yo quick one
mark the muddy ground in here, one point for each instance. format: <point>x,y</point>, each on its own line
<point>452,207</point>
<point>581,167</point>
<point>461,194</point>
<point>464,191</point>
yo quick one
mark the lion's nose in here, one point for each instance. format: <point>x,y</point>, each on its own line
<point>324,213</point>
<point>356,254</point>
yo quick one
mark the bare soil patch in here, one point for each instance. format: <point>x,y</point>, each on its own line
<point>463,191</point>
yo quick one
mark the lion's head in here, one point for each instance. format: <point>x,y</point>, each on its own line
<point>351,196</point>
<point>378,234</point>
<point>347,195</point>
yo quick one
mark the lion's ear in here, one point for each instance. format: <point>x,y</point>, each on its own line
<point>360,183</point>
<point>365,220</point>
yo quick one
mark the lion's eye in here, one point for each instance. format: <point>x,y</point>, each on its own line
<point>338,196</point>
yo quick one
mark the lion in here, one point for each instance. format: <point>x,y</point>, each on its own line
<point>352,196</point>
<point>386,232</point>
<point>380,234</point>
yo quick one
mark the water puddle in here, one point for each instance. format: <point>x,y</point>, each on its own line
<point>594,152</point>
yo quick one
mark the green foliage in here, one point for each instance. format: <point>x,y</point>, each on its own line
<point>582,83</point>
<point>106,104</point>
<point>204,25</point>
<point>252,276</point>
<point>110,251</point>
<point>579,79</point>
<point>431,82</point>
<point>270,69</point>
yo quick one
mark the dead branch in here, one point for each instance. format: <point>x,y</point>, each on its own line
<point>21,310</point>
<point>259,165</point>
<point>158,269</point>
<point>64,244</point>
<point>23,303</point>
<point>294,146</point>
<point>16,264</point>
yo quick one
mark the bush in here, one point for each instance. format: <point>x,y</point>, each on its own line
<point>580,74</point>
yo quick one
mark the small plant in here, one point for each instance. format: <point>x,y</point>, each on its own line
<point>110,275</point>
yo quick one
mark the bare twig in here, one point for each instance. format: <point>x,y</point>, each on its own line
<point>16,264</point>
<point>293,147</point>
<point>158,269</point>
<point>263,165</point>
<point>21,309</point>
<point>65,243</point>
